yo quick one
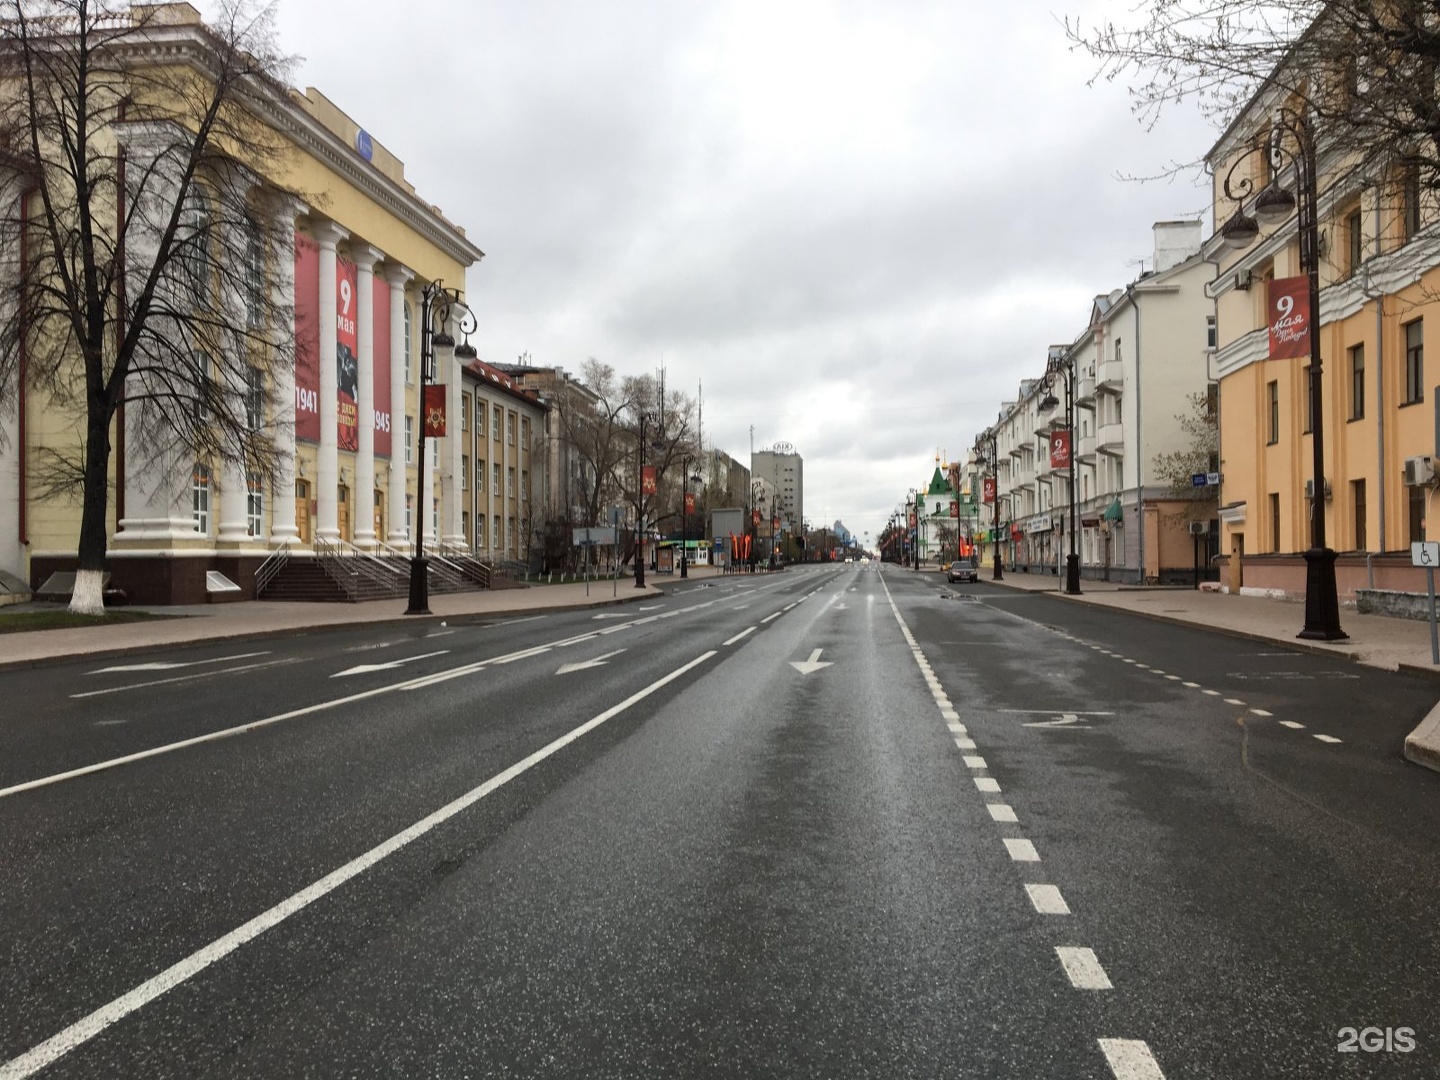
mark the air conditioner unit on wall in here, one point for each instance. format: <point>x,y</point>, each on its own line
<point>1419,470</point>
<point>1199,528</point>
<point>1310,489</point>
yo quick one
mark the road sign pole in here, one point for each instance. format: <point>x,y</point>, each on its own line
<point>1434,639</point>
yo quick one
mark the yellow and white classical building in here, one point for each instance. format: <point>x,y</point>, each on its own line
<point>1379,277</point>
<point>345,417</point>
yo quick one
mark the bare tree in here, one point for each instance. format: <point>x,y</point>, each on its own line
<point>148,238</point>
<point>1363,71</point>
<point>598,433</point>
<point>670,438</point>
<point>1201,427</point>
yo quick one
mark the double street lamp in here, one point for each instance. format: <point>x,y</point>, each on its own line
<point>685,480</point>
<point>437,305</point>
<point>1065,368</point>
<point>997,571</point>
<point>640,494</point>
<point>1292,142</point>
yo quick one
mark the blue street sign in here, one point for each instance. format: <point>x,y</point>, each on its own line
<point>1198,479</point>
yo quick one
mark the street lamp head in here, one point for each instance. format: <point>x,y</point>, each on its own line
<point>1240,231</point>
<point>442,340</point>
<point>1274,204</point>
<point>1050,401</point>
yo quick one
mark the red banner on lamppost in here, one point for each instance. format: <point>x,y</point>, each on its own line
<point>689,502</point>
<point>1060,449</point>
<point>434,410</point>
<point>954,509</point>
<point>648,485</point>
<point>987,492</point>
<point>912,519</point>
<point>1288,303</point>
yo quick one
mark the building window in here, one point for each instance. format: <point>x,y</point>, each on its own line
<point>465,524</point>
<point>254,503</point>
<point>254,275</point>
<point>1272,391</point>
<point>435,517</point>
<point>254,398</point>
<point>510,482</point>
<point>479,530</point>
<point>510,428</point>
<point>524,485</point>
<point>524,431</point>
<point>1410,194</point>
<point>479,419</point>
<point>1212,333</point>
<point>409,347</point>
<point>495,532</point>
<point>1357,382</point>
<point>495,478</point>
<point>495,422</point>
<point>1357,500</point>
<point>480,478</point>
<point>1415,518</point>
<point>1414,361</point>
<point>200,499</point>
<point>409,508</point>
<point>510,536</point>
<point>1354,240</point>
<point>1275,521</point>
<point>193,244</point>
<point>464,471</point>
<point>201,385</point>
<point>409,440</point>
<point>465,414</point>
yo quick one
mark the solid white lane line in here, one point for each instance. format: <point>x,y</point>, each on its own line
<point>1327,738</point>
<point>987,783</point>
<point>1047,900</point>
<point>85,1029</point>
<point>1292,725</point>
<point>1130,1059</point>
<point>1083,968</point>
<point>1001,812</point>
<point>974,762</point>
<point>171,665</point>
<point>743,633</point>
<point>1022,850</point>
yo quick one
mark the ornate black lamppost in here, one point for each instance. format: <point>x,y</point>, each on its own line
<point>1065,368</point>
<point>437,305</point>
<point>997,570</point>
<point>1292,142</point>
<point>640,502</point>
<point>685,480</point>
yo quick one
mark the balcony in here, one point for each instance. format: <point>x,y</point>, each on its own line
<point>1085,448</point>
<point>1110,376</point>
<point>1110,439</point>
<point>1085,390</point>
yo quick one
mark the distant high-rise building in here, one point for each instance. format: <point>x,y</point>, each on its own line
<point>784,471</point>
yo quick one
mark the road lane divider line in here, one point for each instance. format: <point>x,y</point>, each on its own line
<point>85,1029</point>
<point>743,634</point>
<point>1130,1059</point>
<point>1002,813</point>
<point>1021,850</point>
<point>1083,968</point>
<point>768,618</point>
<point>1046,900</point>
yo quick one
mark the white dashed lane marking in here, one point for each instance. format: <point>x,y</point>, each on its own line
<point>1130,1059</point>
<point>1047,900</point>
<point>1022,850</point>
<point>1001,812</point>
<point>986,783</point>
<point>1083,968</point>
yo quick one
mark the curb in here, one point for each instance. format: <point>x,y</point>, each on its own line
<point>1422,746</point>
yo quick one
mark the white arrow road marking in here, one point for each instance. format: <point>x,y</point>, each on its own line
<point>611,615</point>
<point>814,664</point>
<point>365,669</point>
<point>599,661</point>
<point>162,665</point>
<point>652,607</point>
<point>1068,719</point>
<point>842,607</point>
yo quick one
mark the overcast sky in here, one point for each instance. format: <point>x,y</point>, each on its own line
<point>859,224</point>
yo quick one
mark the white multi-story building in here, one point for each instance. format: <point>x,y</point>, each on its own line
<point>1134,370</point>
<point>783,469</point>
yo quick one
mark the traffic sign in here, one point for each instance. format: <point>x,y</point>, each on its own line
<point>1425,553</point>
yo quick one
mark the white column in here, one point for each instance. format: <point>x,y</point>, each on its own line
<point>327,235</point>
<point>233,527</point>
<point>397,276</point>
<point>363,497</point>
<point>12,552</point>
<point>453,446</point>
<point>282,495</point>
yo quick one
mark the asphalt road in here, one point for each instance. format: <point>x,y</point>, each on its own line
<point>832,823</point>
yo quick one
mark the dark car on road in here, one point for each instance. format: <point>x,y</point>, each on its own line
<point>962,569</point>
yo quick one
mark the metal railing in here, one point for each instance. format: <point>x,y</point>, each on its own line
<point>266,571</point>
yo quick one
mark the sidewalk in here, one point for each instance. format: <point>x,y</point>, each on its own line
<point>1377,640</point>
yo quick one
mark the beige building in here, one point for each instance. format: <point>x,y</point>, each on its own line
<point>504,466</point>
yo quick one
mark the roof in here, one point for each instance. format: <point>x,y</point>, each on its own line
<point>497,379</point>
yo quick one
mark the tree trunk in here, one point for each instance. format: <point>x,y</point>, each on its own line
<point>88,599</point>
